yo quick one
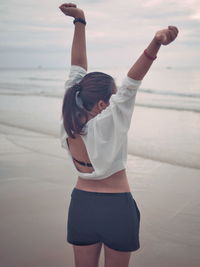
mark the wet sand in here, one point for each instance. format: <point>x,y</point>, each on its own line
<point>36,182</point>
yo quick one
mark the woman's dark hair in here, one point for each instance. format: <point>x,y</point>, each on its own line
<point>93,87</point>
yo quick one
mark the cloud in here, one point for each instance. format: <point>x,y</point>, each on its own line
<point>114,29</point>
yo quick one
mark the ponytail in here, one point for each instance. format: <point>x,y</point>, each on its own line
<point>75,116</point>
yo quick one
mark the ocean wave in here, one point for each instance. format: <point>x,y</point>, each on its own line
<point>39,79</point>
<point>169,160</point>
<point>22,93</point>
<point>179,108</point>
<point>152,91</point>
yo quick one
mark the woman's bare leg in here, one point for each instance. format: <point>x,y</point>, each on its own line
<point>114,258</point>
<point>87,256</point>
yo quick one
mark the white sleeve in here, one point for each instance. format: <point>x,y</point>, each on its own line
<point>119,112</point>
<point>107,132</point>
<point>76,74</point>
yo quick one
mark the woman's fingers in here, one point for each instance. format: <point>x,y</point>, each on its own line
<point>172,34</point>
<point>67,10</point>
<point>67,5</point>
<point>166,36</point>
<point>71,10</point>
<point>162,37</point>
<point>70,5</point>
<point>173,28</point>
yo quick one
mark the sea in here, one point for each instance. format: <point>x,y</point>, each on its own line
<point>166,119</point>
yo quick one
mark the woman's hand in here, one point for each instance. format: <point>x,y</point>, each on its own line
<point>71,10</point>
<point>144,62</point>
<point>166,36</point>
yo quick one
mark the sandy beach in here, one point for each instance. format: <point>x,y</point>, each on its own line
<point>36,182</point>
<point>38,46</point>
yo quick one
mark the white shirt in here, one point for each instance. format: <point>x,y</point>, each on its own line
<point>106,133</point>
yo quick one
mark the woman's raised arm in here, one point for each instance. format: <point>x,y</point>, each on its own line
<point>78,52</point>
<point>144,62</point>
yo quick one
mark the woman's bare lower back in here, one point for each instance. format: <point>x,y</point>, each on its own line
<point>115,183</point>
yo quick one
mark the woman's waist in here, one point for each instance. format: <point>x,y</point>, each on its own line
<point>116,182</point>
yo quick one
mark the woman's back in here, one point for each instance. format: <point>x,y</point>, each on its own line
<point>116,182</point>
<point>104,145</point>
<point>78,151</point>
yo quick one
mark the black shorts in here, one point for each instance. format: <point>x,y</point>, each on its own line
<point>110,218</point>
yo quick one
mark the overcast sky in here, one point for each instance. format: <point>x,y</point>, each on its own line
<point>36,32</point>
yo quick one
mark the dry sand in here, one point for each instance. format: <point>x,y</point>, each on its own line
<point>36,182</point>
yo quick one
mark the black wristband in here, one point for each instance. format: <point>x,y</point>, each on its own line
<point>79,20</point>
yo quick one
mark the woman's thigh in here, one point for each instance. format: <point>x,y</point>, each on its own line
<point>114,258</point>
<point>87,256</point>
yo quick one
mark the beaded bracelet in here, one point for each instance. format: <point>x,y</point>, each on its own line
<point>149,56</point>
<point>79,20</point>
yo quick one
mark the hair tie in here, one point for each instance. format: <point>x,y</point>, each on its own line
<point>77,87</point>
<point>78,100</point>
<point>149,56</point>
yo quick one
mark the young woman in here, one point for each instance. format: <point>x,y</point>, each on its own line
<point>96,117</point>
